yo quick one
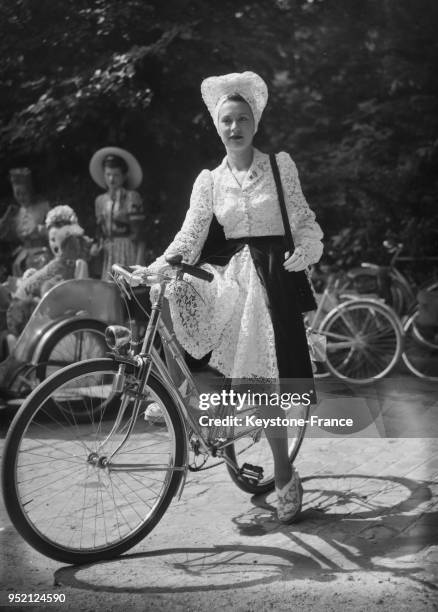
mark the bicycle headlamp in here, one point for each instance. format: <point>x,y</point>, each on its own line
<point>117,337</point>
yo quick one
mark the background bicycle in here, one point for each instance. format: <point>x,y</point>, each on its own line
<point>420,351</point>
<point>363,348</point>
<point>364,336</point>
<point>398,288</point>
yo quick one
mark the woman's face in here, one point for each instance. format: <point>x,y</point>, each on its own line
<point>114,178</point>
<point>22,194</point>
<point>236,125</point>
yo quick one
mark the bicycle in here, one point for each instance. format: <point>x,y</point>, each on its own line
<point>88,490</point>
<point>364,336</point>
<point>399,290</point>
<point>420,353</point>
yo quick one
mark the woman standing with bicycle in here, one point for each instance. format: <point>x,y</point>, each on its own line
<point>250,317</point>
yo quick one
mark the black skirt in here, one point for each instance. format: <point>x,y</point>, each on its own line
<point>267,253</point>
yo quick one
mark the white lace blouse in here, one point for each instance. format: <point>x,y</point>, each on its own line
<point>232,318</point>
<point>248,210</point>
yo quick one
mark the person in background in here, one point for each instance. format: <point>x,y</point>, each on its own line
<point>68,244</point>
<point>119,211</point>
<point>23,224</point>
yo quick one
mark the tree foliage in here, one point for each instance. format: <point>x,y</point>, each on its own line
<point>352,96</point>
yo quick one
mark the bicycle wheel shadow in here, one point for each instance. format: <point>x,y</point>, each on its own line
<point>358,528</point>
<point>341,530</point>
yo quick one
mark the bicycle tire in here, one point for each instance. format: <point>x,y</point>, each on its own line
<point>420,353</point>
<point>258,453</point>
<point>53,509</point>
<point>59,352</point>
<point>364,340</point>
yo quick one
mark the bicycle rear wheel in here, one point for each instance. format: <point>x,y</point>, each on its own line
<point>63,492</point>
<point>252,468</point>
<point>420,351</point>
<point>364,340</point>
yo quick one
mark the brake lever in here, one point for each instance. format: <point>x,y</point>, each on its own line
<point>122,284</point>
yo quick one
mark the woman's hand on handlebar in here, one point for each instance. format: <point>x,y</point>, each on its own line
<point>141,275</point>
<point>138,275</point>
<point>133,275</point>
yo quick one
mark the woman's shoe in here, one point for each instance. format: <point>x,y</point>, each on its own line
<point>290,499</point>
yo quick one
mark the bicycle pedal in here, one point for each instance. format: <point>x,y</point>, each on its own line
<point>254,472</point>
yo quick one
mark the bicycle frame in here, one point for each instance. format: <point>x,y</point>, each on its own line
<point>148,359</point>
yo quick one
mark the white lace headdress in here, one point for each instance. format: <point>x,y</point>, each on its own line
<point>216,89</point>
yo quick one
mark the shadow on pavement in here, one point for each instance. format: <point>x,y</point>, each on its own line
<point>350,523</point>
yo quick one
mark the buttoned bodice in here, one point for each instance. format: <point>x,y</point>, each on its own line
<point>252,209</point>
<point>249,209</point>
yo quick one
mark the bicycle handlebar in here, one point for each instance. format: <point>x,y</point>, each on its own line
<point>176,261</point>
<point>123,271</point>
<point>126,272</point>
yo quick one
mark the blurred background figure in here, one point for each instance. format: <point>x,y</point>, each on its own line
<point>22,225</point>
<point>69,245</point>
<point>119,212</point>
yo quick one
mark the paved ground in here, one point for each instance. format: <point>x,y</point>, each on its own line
<point>367,538</point>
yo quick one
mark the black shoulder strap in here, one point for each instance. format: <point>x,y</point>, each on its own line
<point>284,216</point>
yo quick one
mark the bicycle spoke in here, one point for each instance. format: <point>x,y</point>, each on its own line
<point>65,492</point>
<point>364,341</point>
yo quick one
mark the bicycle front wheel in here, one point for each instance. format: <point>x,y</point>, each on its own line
<point>64,492</point>
<point>251,464</point>
<point>420,352</point>
<point>364,340</point>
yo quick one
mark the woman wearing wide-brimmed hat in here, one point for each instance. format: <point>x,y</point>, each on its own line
<point>119,212</point>
<point>250,316</point>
